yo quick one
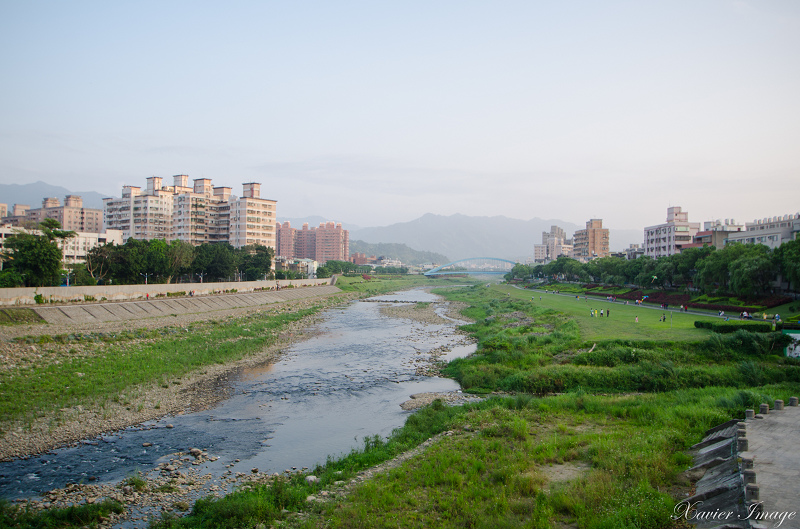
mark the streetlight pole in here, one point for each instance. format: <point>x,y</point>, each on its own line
<point>201,274</point>
<point>145,275</point>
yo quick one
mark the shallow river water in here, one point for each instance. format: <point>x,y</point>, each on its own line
<point>321,398</point>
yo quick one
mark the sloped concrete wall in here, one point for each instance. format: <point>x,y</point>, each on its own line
<point>26,295</point>
<point>86,313</point>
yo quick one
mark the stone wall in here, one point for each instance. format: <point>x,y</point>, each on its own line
<point>27,295</point>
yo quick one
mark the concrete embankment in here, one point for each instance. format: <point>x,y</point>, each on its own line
<point>161,307</point>
<point>38,295</point>
<point>747,472</point>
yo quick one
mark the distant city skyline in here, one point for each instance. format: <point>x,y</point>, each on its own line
<point>377,113</point>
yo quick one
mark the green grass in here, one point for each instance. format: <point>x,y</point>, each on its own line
<point>528,346</point>
<point>19,316</point>
<point>378,286</point>
<point>622,322</point>
<point>75,516</point>
<point>33,391</point>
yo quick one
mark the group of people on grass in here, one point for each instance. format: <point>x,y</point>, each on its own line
<point>594,314</point>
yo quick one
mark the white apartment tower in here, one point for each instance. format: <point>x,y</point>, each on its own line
<point>666,239</point>
<point>252,218</point>
<point>198,214</point>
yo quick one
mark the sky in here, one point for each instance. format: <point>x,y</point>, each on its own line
<point>376,112</point>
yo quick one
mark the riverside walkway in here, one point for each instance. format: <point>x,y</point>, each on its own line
<point>88,313</point>
<point>772,445</point>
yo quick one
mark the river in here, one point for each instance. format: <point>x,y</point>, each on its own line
<point>319,399</point>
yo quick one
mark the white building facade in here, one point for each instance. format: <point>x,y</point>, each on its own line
<point>197,214</point>
<point>770,231</point>
<point>663,240</point>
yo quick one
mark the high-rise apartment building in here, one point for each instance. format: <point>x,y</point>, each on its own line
<point>252,218</point>
<point>196,214</point>
<point>140,215</point>
<point>328,242</point>
<point>592,242</point>
<point>554,244</point>
<point>666,239</point>
<point>72,215</point>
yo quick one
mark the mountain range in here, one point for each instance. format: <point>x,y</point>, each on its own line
<point>461,236</point>
<point>33,194</point>
<point>454,236</point>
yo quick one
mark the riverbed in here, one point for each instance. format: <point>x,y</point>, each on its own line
<point>321,398</point>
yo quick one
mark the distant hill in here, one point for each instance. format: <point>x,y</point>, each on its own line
<point>397,251</point>
<point>461,236</point>
<point>33,194</point>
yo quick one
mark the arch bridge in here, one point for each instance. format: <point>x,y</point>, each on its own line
<point>473,266</point>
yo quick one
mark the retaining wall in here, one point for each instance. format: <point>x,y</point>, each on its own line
<point>27,295</point>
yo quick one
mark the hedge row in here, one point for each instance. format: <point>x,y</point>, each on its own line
<point>733,326</point>
<point>735,309</point>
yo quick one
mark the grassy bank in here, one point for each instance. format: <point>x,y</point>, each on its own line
<point>383,285</point>
<point>155,356</point>
<point>608,451</point>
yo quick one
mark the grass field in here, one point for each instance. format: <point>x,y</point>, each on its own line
<point>622,322</point>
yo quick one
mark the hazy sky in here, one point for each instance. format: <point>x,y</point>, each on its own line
<point>377,112</point>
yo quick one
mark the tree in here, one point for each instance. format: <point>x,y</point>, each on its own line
<point>10,278</point>
<point>216,260</point>
<point>129,261</point>
<point>98,261</point>
<point>787,257</point>
<point>37,258</point>
<point>156,265</point>
<point>714,272</point>
<point>180,255</point>
<point>82,276</point>
<point>751,273</point>
<point>255,261</point>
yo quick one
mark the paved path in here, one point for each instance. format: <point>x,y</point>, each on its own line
<point>155,308</point>
<point>774,445</point>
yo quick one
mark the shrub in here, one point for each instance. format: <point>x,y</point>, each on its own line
<point>733,326</point>
<point>703,324</point>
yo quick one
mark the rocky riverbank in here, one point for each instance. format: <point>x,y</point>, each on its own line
<point>179,481</point>
<point>143,403</point>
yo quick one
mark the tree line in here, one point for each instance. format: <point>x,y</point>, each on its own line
<point>739,269</point>
<point>35,260</point>
<point>346,267</point>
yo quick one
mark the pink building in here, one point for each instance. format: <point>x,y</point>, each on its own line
<point>328,242</point>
